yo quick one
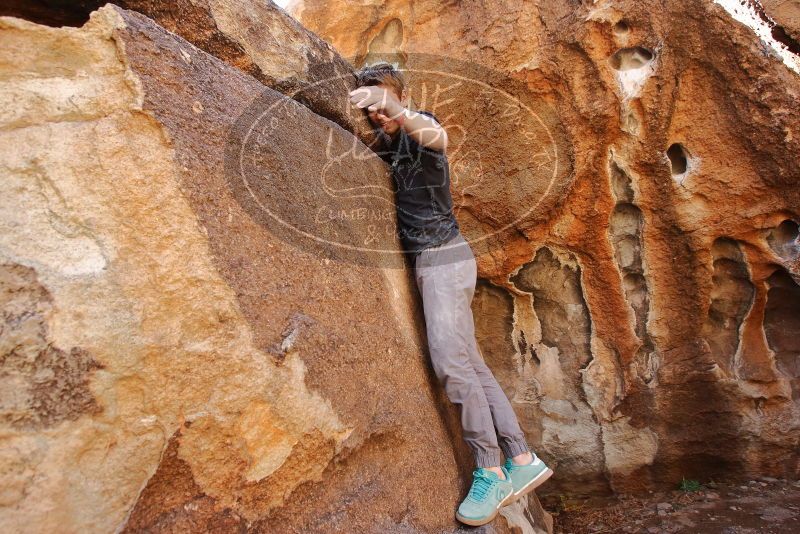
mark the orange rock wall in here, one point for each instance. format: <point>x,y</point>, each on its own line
<point>646,321</point>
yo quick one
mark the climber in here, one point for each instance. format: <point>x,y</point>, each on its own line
<point>445,271</point>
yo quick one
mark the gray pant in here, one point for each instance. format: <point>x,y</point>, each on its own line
<point>446,276</point>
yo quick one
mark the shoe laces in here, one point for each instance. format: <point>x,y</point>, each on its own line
<point>481,484</point>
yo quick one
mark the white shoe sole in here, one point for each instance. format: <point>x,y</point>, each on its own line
<point>537,481</point>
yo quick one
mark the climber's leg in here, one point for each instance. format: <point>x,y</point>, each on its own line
<point>443,278</point>
<point>510,436</point>
<point>526,471</point>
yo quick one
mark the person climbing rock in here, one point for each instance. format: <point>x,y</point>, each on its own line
<point>445,272</point>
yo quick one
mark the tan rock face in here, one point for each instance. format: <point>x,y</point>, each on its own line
<point>171,359</point>
<point>257,37</point>
<point>168,361</point>
<point>644,322</point>
<point>785,13</point>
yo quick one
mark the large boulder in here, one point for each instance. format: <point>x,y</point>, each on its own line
<point>172,358</point>
<point>255,36</point>
<point>786,14</point>
<point>645,317</point>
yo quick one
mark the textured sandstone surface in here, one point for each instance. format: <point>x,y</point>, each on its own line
<point>255,36</point>
<point>167,361</point>
<point>646,320</point>
<point>786,13</point>
<point>171,360</point>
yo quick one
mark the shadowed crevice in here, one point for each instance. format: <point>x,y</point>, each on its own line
<point>731,299</point>
<point>782,326</point>
<point>55,13</point>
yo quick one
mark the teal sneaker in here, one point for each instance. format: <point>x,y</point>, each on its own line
<point>527,477</point>
<point>487,494</point>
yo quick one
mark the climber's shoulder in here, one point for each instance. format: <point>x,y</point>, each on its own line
<point>429,114</point>
<point>431,151</point>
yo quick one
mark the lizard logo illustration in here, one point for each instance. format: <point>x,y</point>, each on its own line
<point>507,160</point>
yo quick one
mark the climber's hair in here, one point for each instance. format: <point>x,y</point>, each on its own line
<point>381,72</point>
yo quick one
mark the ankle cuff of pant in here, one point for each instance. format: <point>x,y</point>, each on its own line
<point>514,447</point>
<point>489,458</point>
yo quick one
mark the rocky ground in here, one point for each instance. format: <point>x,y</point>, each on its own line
<point>766,505</point>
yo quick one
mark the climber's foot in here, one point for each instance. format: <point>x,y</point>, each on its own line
<point>487,494</point>
<point>527,477</point>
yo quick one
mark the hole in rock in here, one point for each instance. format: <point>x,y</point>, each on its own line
<point>620,183</point>
<point>678,159</point>
<point>387,45</point>
<point>625,229</point>
<point>554,279</point>
<point>785,240</point>
<point>54,13</point>
<point>646,363</point>
<point>560,306</point>
<point>626,219</point>
<point>621,28</point>
<point>731,298</point>
<point>635,287</point>
<point>630,122</point>
<point>782,325</point>
<point>631,58</point>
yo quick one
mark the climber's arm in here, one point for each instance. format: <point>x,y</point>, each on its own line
<point>423,129</point>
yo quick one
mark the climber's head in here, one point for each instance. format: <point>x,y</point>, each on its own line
<point>383,75</point>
